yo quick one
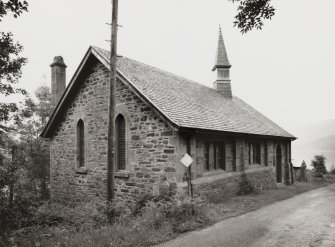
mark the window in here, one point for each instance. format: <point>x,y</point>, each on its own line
<point>81,144</point>
<point>120,142</point>
<point>265,154</point>
<point>206,156</point>
<point>214,154</point>
<point>221,158</point>
<point>254,153</point>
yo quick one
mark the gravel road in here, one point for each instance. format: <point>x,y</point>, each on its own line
<point>307,219</point>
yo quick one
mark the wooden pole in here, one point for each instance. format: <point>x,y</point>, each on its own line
<point>189,171</point>
<point>111,104</point>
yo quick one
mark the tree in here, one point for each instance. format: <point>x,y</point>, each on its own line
<point>332,170</point>
<point>34,150</point>
<point>319,164</point>
<point>251,14</point>
<point>14,6</point>
<point>10,61</point>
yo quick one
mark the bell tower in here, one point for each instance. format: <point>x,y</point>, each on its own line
<point>222,66</point>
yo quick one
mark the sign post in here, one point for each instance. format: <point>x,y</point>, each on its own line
<point>187,161</point>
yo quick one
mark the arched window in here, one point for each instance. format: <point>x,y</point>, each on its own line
<point>120,129</point>
<point>81,144</point>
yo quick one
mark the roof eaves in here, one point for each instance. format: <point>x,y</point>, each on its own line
<point>204,130</point>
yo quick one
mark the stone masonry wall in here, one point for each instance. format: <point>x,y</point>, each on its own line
<point>259,179</point>
<point>68,183</point>
<point>239,160</point>
<point>150,145</point>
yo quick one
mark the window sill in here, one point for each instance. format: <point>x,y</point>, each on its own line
<point>81,170</point>
<point>121,174</point>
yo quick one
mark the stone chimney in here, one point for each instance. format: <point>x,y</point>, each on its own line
<point>58,78</point>
<point>222,66</point>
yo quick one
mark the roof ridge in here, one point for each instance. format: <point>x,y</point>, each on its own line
<point>162,70</point>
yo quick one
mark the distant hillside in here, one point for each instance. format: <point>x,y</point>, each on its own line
<point>322,143</point>
<point>316,138</point>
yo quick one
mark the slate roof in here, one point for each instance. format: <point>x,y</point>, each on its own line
<point>189,104</point>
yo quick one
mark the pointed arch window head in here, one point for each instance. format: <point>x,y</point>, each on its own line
<point>81,143</point>
<point>120,129</point>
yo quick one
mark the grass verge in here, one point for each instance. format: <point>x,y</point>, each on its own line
<point>156,221</point>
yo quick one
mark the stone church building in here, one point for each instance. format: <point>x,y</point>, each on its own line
<point>159,117</point>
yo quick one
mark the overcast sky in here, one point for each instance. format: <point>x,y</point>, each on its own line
<point>285,71</point>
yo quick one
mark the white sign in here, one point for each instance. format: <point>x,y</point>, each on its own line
<point>186,160</point>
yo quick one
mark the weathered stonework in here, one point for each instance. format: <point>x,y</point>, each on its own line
<point>68,182</point>
<point>151,159</point>
<point>151,147</point>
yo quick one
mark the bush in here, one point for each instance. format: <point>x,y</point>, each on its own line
<point>119,211</point>
<point>81,217</point>
<point>332,170</point>
<point>319,164</point>
<point>142,220</point>
<point>17,214</point>
<point>181,212</point>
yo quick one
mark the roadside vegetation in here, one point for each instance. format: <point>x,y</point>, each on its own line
<point>149,220</point>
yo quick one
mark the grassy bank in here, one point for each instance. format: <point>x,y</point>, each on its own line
<point>150,221</point>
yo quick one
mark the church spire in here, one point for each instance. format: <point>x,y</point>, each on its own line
<point>222,66</point>
<point>221,60</point>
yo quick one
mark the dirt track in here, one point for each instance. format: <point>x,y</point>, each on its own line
<point>307,219</point>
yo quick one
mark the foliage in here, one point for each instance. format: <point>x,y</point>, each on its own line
<point>332,170</point>
<point>29,121</point>
<point>119,211</point>
<point>182,213</point>
<point>319,164</point>
<point>79,217</point>
<point>157,219</point>
<point>10,61</point>
<point>24,156</point>
<point>164,215</point>
<point>28,211</point>
<point>251,14</point>
<point>18,213</point>
<point>15,7</point>
<point>5,110</point>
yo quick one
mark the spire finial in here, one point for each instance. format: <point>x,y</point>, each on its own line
<point>221,60</point>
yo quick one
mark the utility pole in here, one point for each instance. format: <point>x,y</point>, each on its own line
<point>111,104</point>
